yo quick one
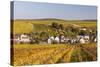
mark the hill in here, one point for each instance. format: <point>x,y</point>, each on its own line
<point>36,25</point>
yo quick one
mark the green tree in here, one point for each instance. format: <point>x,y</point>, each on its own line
<point>61,27</point>
<point>55,25</point>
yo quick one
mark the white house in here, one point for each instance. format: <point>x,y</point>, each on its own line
<point>21,38</point>
<point>82,41</point>
<point>57,39</point>
<point>83,37</point>
<point>24,38</point>
<point>86,37</point>
<point>95,40</point>
<point>52,38</point>
<point>49,41</point>
<point>62,39</point>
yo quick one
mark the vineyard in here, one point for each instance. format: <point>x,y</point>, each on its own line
<point>29,54</point>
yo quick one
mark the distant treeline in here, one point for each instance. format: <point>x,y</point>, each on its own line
<point>55,19</point>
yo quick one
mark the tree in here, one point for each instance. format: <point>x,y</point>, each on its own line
<point>44,35</point>
<point>55,25</point>
<point>82,32</point>
<point>61,27</point>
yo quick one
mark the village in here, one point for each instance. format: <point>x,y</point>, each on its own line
<point>30,38</point>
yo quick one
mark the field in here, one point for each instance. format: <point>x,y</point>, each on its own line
<point>28,54</point>
<point>27,26</point>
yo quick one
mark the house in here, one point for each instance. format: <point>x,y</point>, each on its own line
<point>49,41</point>
<point>21,38</point>
<point>95,39</point>
<point>87,38</point>
<point>57,40</point>
<point>24,38</point>
<point>82,41</point>
<point>52,37</point>
<point>62,39</point>
<point>83,38</point>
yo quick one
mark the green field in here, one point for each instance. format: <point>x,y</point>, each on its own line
<point>28,54</point>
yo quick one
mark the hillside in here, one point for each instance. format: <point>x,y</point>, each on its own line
<point>36,25</point>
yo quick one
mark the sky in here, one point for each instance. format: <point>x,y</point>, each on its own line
<point>36,10</point>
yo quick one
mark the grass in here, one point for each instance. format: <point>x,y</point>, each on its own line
<point>22,27</point>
